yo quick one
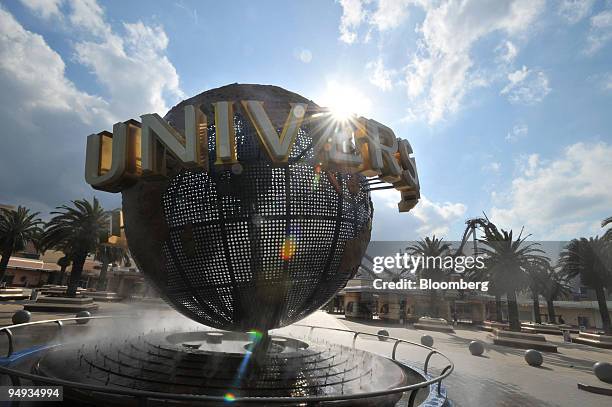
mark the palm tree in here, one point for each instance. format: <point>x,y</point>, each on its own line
<point>76,230</point>
<point>554,287</point>
<point>433,248</point>
<point>544,280</point>
<point>63,262</point>
<point>507,260</point>
<point>108,254</point>
<point>589,259</point>
<point>483,274</point>
<point>17,228</point>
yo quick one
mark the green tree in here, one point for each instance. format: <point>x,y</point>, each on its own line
<point>63,262</point>
<point>507,260</point>
<point>589,259</point>
<point>555,287</point>
<point>537,273</point>
<point>108,254</point>
<point>433,249</point>
<point>77,230</point>
<point>17,228</point>
<point>484,274</point>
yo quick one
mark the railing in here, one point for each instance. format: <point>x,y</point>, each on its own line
<point>450,367</point>
<point>143,397</point>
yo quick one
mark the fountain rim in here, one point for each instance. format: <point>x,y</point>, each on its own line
<point>143,395</point>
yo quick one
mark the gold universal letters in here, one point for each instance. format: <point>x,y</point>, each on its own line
<point>116,161</point>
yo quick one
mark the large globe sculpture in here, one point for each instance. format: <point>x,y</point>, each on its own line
<point>252,245</point>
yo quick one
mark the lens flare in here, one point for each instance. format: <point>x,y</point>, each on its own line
<point>229,397</point>
<point>289,248</point>
<point>344,101</point>
<point>255,336</point>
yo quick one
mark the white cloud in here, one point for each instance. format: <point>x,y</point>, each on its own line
<point>492,167</point>
<point>379,76</point>
<point>600,32</point>
<point>507,52</point>
<point>390,14</point>
<point>526,86</point>
<point>33,75</point>
<point>44,8</point>
<point>518,131</point>
<point>353,14</point>
<point>47,118</point>
<point>441,74</point>
<point>133,69</point>
<point>575,10</point>
<point>561,198</point>
<point>89,16</point>
<point>132,65</point>
<point>426,219</point>
<point>436,218</point>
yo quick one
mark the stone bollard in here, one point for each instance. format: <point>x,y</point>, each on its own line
<point>533,357</point>
<point>383,335</point>
<point>427,340</point>
<point>83,314</point>
<point>476,348</point>
<point>21,317</point>
<point>603,371</point>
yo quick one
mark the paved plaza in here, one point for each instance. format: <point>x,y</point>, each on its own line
<point>499,378</point>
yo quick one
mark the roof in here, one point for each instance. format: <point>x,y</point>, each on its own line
<point>20,263</point>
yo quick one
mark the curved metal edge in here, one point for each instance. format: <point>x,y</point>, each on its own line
<point>9,335</point>
<point>397,342</point>
<point>59,321</point>
<point>431,353</point>
<point>141,394</point>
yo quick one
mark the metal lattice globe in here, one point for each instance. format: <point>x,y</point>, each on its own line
<point>254,245</point>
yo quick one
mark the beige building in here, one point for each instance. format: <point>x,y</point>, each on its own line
<point>362,300</point>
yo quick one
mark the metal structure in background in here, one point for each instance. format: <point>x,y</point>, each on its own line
<point>140,371</point>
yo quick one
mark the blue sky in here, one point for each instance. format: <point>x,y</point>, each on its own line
<point>507,104</point>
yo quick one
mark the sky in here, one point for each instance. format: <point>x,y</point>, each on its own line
<point>507,104</point>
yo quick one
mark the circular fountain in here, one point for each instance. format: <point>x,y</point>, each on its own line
<point>208,367</point>
<point>190,363</point>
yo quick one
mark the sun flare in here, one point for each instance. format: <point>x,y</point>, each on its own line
<point>344,101</point>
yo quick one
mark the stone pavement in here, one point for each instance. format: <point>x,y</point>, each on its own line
<point>500,377</point>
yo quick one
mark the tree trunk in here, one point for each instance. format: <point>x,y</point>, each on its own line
<point>433,304</point>
<point>101,284</point>
<point>6,256</point>
<point>536,309</point>
<point>62,272</point>
<point>552,318</point>
<point>498,309</point>
<point>513,312</point>
<point>603,309</point>
<point>75,275</point>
